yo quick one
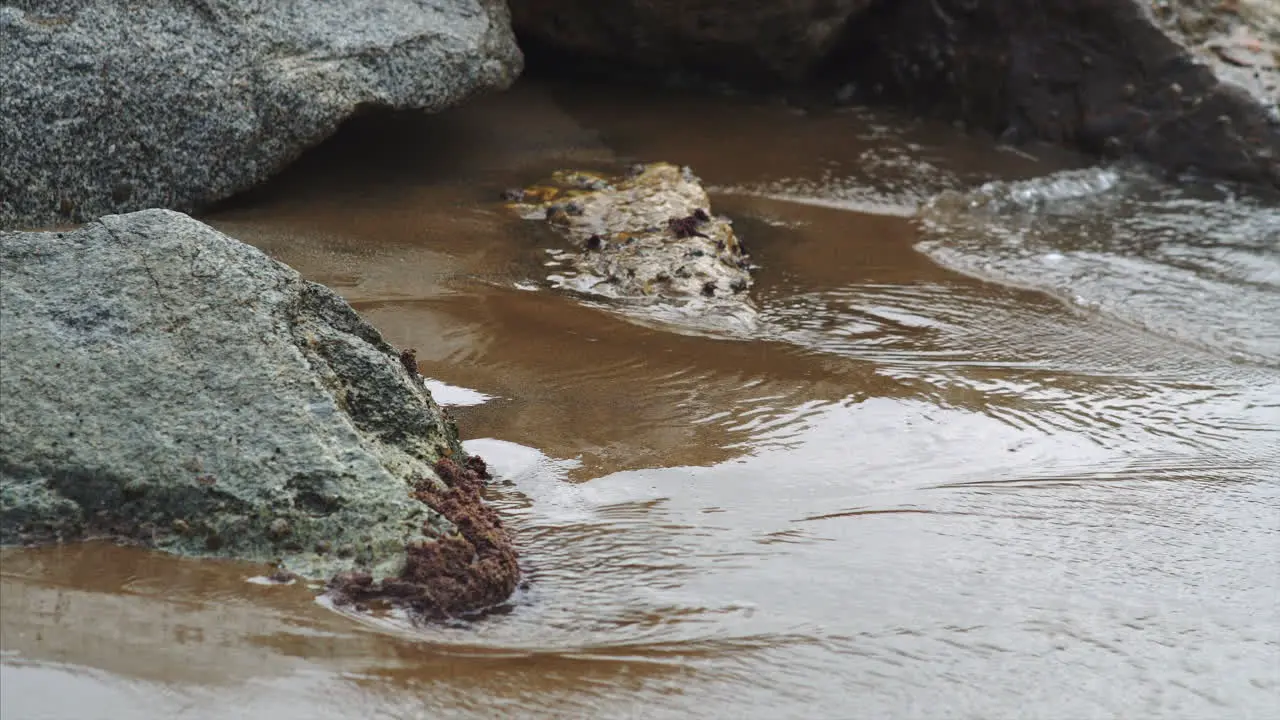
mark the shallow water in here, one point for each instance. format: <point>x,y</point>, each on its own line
<point>1018,459</point>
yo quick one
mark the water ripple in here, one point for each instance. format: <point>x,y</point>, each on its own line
<point>1201,265</point>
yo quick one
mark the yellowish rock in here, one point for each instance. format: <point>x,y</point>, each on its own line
<point>647,234</point>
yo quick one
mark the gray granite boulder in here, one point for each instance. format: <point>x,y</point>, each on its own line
<point>112,106</point>
<point>165,384</point>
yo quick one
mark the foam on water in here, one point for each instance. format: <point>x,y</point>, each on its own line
<point>1198,264</point>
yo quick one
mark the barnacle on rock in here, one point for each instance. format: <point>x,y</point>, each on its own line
<point>625,242</point>
<point>686,227</point>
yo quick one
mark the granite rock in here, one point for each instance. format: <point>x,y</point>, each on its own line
<point>165,384</point>
<point>110,106</point>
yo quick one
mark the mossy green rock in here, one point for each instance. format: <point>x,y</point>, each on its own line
<point>164,383</point>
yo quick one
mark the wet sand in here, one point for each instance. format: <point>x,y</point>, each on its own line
<point>912,492</point>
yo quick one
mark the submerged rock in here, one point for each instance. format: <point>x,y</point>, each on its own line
<point>165,384</point>
<point>647,235</point>
<point>112,106</point>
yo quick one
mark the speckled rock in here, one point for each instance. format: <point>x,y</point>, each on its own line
<point>1240,40</point>
<point>647,235</point>
<point>111,106</point>
<point>165,384</point>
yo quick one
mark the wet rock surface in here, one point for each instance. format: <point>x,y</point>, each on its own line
<point>164,384</point>
<point>1098,75</point>
<point>647,235</point>
<point>111,106</point>
<point>779,39</point>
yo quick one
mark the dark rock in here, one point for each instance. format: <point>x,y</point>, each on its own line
<point>1098,75</point>
<point>780,39</point>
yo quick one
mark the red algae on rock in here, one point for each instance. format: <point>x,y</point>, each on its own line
<point>454,575</point>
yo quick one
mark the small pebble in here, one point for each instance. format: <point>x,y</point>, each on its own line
<point>279,528</point>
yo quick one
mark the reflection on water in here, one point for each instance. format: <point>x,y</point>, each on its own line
<point>903,492</point>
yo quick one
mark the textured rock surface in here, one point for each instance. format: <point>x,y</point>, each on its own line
<point>112,106</point>
<point>1097,74</point>
<point>650,234</point>
<point>164,383</point>
<point>1240,39</point>
<point>779,39</point>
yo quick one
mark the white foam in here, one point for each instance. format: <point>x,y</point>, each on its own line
<point>454,396</point>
